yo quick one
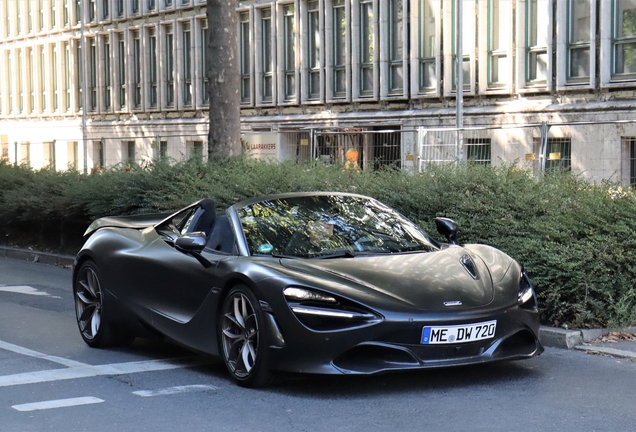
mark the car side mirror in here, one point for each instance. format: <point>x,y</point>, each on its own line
<point>193,242</point>
<point>448,228</point>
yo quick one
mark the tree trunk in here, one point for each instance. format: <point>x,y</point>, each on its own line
<point>222,68</point>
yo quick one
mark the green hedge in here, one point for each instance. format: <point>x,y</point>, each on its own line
<point>575,239</point>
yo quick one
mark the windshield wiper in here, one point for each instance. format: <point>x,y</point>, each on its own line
<point>350,254</point>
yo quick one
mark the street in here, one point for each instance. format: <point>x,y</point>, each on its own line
<point>50,380</point>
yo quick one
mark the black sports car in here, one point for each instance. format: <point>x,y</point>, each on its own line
<point>327,283</point>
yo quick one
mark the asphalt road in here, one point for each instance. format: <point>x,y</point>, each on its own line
<point>51,381</point>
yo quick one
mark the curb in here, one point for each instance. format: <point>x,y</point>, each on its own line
<point>579,340</point>
<point>591,349</point>
<point>36,256</point>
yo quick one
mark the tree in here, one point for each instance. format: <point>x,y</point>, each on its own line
<point>222,71</point>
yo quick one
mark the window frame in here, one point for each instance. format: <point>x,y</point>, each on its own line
<point>418,37</point>
<point>565,47</point>
<point>312,74</point>
<point>264,70</point>
<point>525,50</point>
<point>288,70</point>
<point>468,53</point>
<point>245,56</point>
<point>490,52</point>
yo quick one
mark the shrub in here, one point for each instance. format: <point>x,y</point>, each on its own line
<point>575,239</point>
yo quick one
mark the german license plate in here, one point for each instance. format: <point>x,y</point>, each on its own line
<point>459,333</point>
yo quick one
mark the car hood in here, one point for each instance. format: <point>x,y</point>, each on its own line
<point>439,280</point>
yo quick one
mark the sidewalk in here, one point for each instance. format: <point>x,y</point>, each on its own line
<point>589,341</point>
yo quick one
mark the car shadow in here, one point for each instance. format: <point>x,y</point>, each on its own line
<point>447,378</point>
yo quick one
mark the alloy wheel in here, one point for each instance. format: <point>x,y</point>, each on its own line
<point>88,303</point>
<point>240,334</point>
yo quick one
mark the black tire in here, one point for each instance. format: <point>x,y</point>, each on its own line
<point>93,316</point>
<point>243,339</point>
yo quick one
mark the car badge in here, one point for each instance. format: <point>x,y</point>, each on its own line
<point>469,265</point>
<point>453,303</point>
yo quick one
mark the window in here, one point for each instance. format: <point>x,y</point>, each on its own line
<point>105,9</point>
<point>187,65</point>
<point>65,12</point>
<point>30,71</point>
<point>53,13</point>
<point>136,69</point>
<point>205,96</point>
<point>78,11</point>
<point>40,15</point>
<point>67,76</point>
<point>25,152</point>
<point>194,150</point>
<point>163,149</point>
<point>267,58</point>
<point>120,8</point>
<point>19,82</point>
<point>396,44</point>
<point>339,49</point>
<point>7,19</point>
<point>629,160</point>
<point>167,3</point>
<point>71,154</point>
<point>537,25</point>
<point>558,153</point>
<point>48,154</point>
<point>313,49</point>
<point>427,49</point>
<point>367,47</point>
<point>632,162</point>
<point>129,152</point>
<point>169,67</point>
<point>9,63</point>
<point>578,43</point>
<point>29,11</point>
<point>56,96</point>
<point>152,4</point>
<point>135,6</point>
<point>18,17</point>
<point>499,42</point>
<point>468,39</point>
<point>92,74</point>
<point>478,150</point>
<point>121,69</point>
<point>624,39</point>
<point>98,154</point>
<point>152,63</point>
<point>244,35</point>
<point>78,76</point>
<point>4,151</point>
<point>107,71</point>
<point>289,52</point>
<point>91,11</point>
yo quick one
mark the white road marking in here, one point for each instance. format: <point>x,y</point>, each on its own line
<point>59,403</point>
<point>175,390</point>
<point>100,370</point>
<point>27,352</point>
<point>25,289</point>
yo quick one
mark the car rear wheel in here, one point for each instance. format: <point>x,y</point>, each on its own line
<point>93,319</point>
<point>243,338</point>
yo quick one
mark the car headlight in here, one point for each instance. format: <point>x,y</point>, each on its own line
<point>322,311</point>
<point>302,294</point>
<point>526,298</point>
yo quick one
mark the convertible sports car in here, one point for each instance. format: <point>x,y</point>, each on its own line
<point>327,283</point>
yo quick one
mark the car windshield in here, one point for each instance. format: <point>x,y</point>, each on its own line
<point>324,226</point>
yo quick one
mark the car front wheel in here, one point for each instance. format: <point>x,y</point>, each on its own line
<point>243,338</point>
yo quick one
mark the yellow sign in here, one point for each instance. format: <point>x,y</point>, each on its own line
<point>304,142</point>
<point>554,156</point>
<point>410,157</point>
<point>529,156</point>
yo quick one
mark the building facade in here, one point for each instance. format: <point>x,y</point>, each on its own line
<point>126,77</point>
<point>545,82</point>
